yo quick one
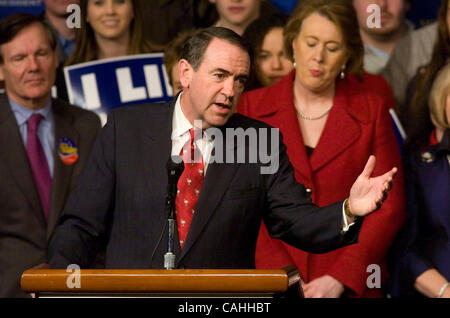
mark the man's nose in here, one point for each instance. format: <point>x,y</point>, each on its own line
<point>33,64</point>
<point>228,88</point>
<point>382,3</point>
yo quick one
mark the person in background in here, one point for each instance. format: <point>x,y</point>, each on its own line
<point>172,55</point>
<point>56,15</point>
<point>238,14</point>
<point>421,256</point>
<point>270,64</point>
<point>109,28</point>
<point>331,123</point>
<point>415,108</point>
<point>45,142</point>
<point>380,42</point>
<point>410,53</point>
<point>165,19</point>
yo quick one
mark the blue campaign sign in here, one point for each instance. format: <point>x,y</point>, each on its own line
<point>108,83</point>
<point>8,7</point>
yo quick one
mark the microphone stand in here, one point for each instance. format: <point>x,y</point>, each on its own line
<point>175,167</point>
<point>169,257</point>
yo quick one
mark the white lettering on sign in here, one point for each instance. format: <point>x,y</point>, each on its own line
<point>127,92</point>
<point>90,90</point>
<point>153,81</point>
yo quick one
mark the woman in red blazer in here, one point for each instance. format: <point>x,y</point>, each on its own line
<point>331,123</point>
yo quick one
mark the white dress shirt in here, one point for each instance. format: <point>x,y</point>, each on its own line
<point>181,135</point>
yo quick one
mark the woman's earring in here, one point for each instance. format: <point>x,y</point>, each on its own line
<point>342,74</point>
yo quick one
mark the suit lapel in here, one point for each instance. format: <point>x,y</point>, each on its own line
<point>156,151</point>
<point>340,131</point>
<point>281,113</point>
<point>15,158</point>
<point>293,139</point>
<point>158,145</point>
<point>62,173</point>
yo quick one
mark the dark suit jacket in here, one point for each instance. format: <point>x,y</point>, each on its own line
<point>121,195</point>
<point>424,241</point>
<point>24,233</point>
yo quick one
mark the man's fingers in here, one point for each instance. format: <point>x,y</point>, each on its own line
<point>370,166</point>
<point>394,172</point>
<point>385,195</point>
<point>389,186</point>
<point>390,175</point>
<point>388,178</point>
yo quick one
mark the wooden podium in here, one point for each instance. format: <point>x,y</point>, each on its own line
<point>163,283</point>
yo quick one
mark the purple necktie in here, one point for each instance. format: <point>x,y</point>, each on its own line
<point>38,162</point>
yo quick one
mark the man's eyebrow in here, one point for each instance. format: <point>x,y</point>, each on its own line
<point>228,73</point>
<point>242,76</point>
<point>222,71</point>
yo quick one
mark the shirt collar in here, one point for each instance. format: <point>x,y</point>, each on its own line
<point>66,44</point>
<point>22,114</point>
<point>376,51</point>
<point>180,124</point>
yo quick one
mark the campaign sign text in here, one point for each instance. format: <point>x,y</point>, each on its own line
<point>108,83</point>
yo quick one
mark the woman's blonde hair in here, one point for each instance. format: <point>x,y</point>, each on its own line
<point>438,97</point>
<point>343,15</point>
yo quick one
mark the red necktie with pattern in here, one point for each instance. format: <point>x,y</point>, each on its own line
<point>189,185</point>
<point>38,163</point>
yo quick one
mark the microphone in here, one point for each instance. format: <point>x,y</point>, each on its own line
<point>175,167</point>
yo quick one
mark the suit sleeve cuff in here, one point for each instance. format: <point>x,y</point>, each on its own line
<point>345,225</point>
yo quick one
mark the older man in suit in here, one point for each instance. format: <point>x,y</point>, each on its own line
<point>220,203</point>
<point>45,143</point>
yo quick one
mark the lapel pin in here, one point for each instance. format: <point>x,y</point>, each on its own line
<point>427,157</point>
<point>67,151</point>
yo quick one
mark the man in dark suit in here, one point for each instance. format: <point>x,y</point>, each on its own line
<point>121,195</point>
<point>45,143</point>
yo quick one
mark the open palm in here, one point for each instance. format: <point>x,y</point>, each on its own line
<point>367,194</point>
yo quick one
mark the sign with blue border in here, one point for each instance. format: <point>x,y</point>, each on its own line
<point>102,85</point>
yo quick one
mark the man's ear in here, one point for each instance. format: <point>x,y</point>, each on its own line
<point>186,73</point>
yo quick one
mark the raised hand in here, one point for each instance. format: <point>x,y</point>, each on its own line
<point>367,194</point>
